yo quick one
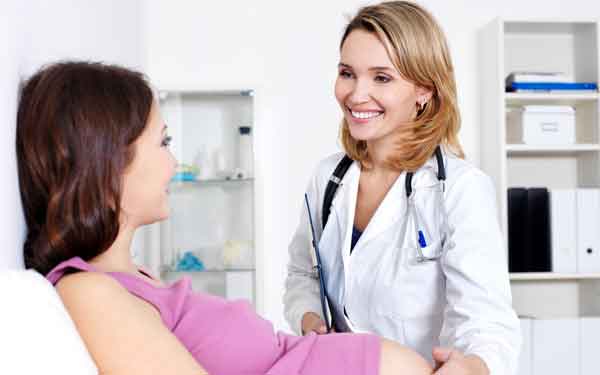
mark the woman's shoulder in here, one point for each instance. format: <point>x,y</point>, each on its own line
<point>327,165</point>
<point>88,285</point>
<point>458,169</point>
<point>464,177</point>
<point>105,313</point>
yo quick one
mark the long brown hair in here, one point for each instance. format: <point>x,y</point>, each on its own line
<point>417,47</point>
<point>76,124</point>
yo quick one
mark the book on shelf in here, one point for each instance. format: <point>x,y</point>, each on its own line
<point>539,77</point>
<point>564,87</point>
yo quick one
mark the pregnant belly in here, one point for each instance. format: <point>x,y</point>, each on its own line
<point>229,337</point>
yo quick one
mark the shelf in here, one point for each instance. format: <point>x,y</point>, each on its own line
<point>566,98</point>
<point>551,276</point>
<point>167,92</point>
<point>198,184</point>
<point>212,271</point>
<point>523,149</point>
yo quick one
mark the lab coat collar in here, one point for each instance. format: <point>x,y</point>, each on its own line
<point>389,212</point>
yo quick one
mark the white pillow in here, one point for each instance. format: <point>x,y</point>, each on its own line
<point>37,335</point>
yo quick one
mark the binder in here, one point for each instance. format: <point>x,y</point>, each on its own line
<point>563,213</point>
<point>548,86</point>
<point>588,230</point>
<point>529,235</point>
<point>538,241</point>
<point>517,228</point>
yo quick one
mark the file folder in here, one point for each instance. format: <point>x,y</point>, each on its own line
<point>517,227</point>
<point>564,230</point>
<point>588,230</point>
<point>538,244</point>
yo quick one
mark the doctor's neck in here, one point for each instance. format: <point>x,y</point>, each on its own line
<point>379,153</point>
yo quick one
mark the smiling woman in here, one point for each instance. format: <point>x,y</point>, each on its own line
<point>409,241</point>
<point>405,83</point>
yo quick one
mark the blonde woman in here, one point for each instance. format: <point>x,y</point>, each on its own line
<point>407,230</point>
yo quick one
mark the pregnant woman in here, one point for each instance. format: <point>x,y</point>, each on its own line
<point>94,165</point>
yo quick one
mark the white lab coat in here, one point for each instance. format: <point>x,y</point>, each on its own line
<point>462,300</point>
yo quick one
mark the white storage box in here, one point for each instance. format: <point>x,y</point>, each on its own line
<point>541,125</point>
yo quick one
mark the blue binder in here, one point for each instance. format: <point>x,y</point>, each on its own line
<point>552,86</point>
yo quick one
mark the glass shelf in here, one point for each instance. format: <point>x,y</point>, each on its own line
<point>213,217</point>
<point>198,184</point>
<point>208,271</point>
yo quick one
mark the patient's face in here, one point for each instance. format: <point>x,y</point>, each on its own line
<point>146,179</point>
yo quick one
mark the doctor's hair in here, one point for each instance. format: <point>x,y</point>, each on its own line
<point>76,125</point>
<point>417,47</point>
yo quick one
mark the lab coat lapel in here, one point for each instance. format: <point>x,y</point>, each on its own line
<point>389,212</point>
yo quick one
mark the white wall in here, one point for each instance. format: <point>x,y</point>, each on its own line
<point>11,222</point>
<point>290,49</point>
<point>36,32</point>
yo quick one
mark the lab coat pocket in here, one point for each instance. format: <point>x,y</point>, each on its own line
<point>410,290</point>
<point>422,333</point>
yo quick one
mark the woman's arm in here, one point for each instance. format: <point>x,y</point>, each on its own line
<point>397,359</point>
<point>301,285</point>
<point>123,335</point>
<point>479,318</point>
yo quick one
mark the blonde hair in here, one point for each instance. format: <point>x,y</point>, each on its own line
<point>417,47</point>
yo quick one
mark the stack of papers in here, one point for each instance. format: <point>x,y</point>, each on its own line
<point>546,82</point>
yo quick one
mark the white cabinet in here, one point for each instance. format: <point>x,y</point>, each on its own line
<point>211,234</point>
<point>572,47</point>
<point>525,357</point>
<point>555,347</point>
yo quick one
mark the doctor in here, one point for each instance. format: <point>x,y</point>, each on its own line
<point>411,249</point>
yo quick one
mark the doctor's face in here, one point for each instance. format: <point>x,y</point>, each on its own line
<point>374,97</point>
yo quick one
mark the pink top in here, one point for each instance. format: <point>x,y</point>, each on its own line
<point>228,337</point>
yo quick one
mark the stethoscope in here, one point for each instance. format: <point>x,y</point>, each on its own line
<point>423,249</point>
<point>428,247</point>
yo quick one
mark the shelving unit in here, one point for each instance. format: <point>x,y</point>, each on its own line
<point>568,150</point>
<point>222,183</point>
<point>214,217</point>
<point>540,276</point>
<point>569,46</point>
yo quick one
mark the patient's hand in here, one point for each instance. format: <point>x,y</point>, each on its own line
<point>312,322</point>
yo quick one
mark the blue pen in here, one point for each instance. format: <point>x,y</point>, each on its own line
<point>422,241</point>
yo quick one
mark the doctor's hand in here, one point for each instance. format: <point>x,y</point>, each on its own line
<point>453,362</point>
<point>313,322</point>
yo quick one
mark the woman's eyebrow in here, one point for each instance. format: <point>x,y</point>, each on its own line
<point>382,68</point>
<point>343,65</point>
